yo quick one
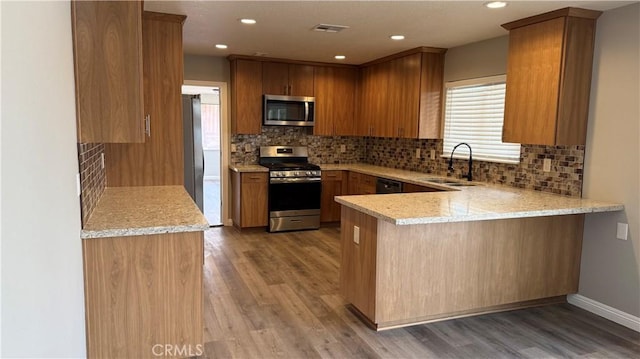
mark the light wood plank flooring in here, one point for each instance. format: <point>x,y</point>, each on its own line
<point>276,295</point>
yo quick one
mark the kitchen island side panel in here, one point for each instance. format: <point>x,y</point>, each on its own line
<point>432,270</point>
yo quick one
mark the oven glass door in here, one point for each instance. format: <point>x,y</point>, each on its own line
<point>294,196</point>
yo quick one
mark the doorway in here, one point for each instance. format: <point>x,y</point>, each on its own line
<point>205,122</point>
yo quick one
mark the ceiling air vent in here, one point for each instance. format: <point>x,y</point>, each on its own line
<point>329,28</point>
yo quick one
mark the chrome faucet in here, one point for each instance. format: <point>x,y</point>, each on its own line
<point>468,176</point>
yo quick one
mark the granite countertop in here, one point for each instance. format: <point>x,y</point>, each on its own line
<point>248,168</point>
<point>476,203</point>
<point>482,201</point>
<point>133,211</point>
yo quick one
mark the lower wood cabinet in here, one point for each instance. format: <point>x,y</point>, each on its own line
<point>411,188</point>
<point>143,293</point>
<point>250,199</point>
<point>360,183</point>
<point>334,183</point>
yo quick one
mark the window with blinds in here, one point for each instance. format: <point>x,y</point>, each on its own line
<point>474,113</point>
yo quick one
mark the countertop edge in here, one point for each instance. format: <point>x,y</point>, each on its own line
<point>248,168</point>
<point>480,217</point>
<point>126,232</point>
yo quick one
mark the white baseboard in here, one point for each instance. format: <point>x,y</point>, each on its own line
<point>605,311</point>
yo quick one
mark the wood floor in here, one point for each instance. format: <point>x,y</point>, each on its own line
<point>276,295</point>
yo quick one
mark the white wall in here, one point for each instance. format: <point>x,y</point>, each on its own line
<point>610,271</point>
<point>42,290</point>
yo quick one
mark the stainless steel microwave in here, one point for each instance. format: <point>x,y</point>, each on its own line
<point>288,110</point>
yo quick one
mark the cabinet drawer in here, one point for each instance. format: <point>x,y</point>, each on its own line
<point>332,175</point>
<point>254,177</point>
<point>368,180</point>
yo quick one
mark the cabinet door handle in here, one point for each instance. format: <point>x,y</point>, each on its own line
<point>286,89</point>
<point>147,125</point>
<point>290,90</point>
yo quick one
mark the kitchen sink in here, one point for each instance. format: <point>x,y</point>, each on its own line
<point>447,182</point>
<point>436,180</point>
<point>460,184</point>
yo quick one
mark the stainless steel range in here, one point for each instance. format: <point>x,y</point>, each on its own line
<point>294,188</point>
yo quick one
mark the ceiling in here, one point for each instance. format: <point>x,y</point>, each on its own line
<point>284,28</point>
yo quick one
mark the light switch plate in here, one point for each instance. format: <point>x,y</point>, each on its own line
<point>343,148</point>
<point>623,231</point>
<point>417,153</point>
<point>233,147</point>
<point>247,148</point>
<point>78,186</point>
<point>546,165</point>
<point>433,154</point>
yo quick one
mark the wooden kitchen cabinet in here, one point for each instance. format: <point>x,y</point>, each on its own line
<point>335,93</point>
<point>141,291</point>
<point>402,95</point>
<point>334,183</point>
<point>280,78</point>
<point>246,96</point>
<point>549,77</point>
<point>360,183</point>
<point>107,46</point>
<point>249,199</point>
<point>372,119</point>
<point>160,160</point>
<point>412,188</point>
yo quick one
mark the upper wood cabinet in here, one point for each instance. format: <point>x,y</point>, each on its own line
<point>160,160</point>
<point>549,77</point>
<point>246,96</point>
<point>287,79</point>
<point>335,93</point>
<point>107,45</point>
<point>401,95</point>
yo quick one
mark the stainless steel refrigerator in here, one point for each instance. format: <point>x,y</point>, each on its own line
<point>193,154</point>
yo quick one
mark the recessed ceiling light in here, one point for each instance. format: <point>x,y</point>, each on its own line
<point>248,21</point>
<point>495,4</point>
<point>340,57</point>
<point>221,46</point>
<point>397,37</point>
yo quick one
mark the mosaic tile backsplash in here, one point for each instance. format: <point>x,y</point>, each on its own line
<point>564,178</point>
<point>93,177</point>
<point>322,149</point>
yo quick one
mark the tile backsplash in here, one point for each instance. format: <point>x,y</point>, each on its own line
<point>564,178</point>
<point>322,149</point>
<point>93,177</point>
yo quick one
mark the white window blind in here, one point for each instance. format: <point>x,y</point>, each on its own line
<point>474,113</point>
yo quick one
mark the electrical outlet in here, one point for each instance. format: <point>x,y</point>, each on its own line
<point>233,147</point>
<point>417,153</point>
<point>102,160</point>
<point>433,154</point>
<point>247,148</point>
<point>343,148</point>
<point>623,231</point>
<point>546,165</point>
<point>356,234</point>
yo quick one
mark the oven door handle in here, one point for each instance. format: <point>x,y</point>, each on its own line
<point>295,180</point>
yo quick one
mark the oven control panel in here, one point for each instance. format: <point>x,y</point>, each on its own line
<point>287,174</point>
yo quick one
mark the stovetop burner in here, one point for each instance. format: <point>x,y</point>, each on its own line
<point>290,166</point>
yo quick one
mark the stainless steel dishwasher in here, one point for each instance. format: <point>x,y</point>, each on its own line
<point>384,185</point>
